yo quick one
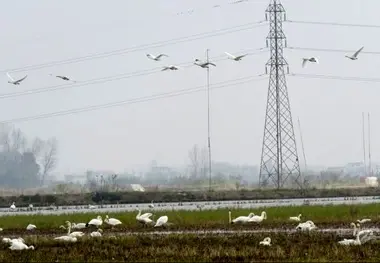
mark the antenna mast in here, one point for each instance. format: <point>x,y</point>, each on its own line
<point>279,157</point>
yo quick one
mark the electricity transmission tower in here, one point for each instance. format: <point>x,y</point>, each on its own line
<point>279,158</point>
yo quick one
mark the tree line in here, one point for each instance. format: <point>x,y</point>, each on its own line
<point>25,162</point>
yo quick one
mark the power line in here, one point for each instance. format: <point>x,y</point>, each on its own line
<point>332,77</point>
<point>334,50</point>
<point>332,24</point>
<point>111,78</point>
<point>229,83</point>
<point>122,51</point>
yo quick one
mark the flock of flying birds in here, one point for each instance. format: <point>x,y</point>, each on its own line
<point>315,60</point>
<point>18,81</point>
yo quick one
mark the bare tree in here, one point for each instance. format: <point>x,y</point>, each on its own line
<point>203,160</point>
<point>194,159</point>
<point>12,139</point>
<point>49,158</point>
<point>37,147</point>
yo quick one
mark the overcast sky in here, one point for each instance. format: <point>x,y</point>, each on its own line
<point>164,130</point>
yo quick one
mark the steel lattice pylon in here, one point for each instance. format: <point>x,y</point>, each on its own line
<point>279,158</point>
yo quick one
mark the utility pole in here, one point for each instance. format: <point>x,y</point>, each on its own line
<point>365,161</point>
<point>369,148</point>
<point>279,157</point>
<point>208,122</point>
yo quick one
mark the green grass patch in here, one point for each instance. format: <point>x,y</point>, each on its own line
<point>207,219</point>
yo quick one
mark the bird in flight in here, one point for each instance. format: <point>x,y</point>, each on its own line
<point>355,55</point>
<point>171,67</point>
<point>312,59</point>
<point>203,64</point>
<point>156,58</point>
<point>62,77</point>
<point>236,58</point>
<point>15,82</point>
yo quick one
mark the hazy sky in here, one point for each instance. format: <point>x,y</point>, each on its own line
<point>164,130</point>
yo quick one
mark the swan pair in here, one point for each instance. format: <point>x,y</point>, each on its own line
<point>248,219</point>
<point>71,234</point>
<point>358,232</point>
<point>361,238</point>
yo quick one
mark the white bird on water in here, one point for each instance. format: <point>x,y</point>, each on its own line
<point>203,64</point>
<point>295,218</point>
<point>266,242</point>
<point>15,82</point>
<point>236,58</point>
<point>151,205</point>
<point>171,67</point>
<point>31,227</point>
<point>156,58</point>
<point>355,55</point>
<point>312,60</point>
<point>240,219</point>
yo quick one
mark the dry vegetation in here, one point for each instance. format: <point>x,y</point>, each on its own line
<point>313,247</point>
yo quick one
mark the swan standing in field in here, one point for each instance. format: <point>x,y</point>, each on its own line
<point>31,227</point>
<point>144,218</point>
<point>162,221</point>
<point>203,64</point>
<point>258,219</point>
<point>362,221</point>
<point>97,233</point>
<point>236,58</point>
<point>15,82</point>
<point>95,222</point>
<point>266,242</point>
<point>156,58</point>
<point>240,219</point>
<point>295,218</point>
<point>75,233</point>
<point>151,205</point>
<point>355,55</point>
<point>12,207</point>
<point>20,246</point>
<point>112,221</point>
<point>312,59</point>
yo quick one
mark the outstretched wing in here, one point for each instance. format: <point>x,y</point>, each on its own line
<point>230,55</point>
<point>10,77</point>
<point>357,52</point>
<point>18,81</point>
<point>161,55</point>
<point>304,61</point>
<point>241,56</point>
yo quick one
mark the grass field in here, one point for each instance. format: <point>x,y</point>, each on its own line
<point>299,247</point>
<point>323,216</point>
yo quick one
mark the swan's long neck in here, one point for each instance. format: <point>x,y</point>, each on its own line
<point>229,217</point>
<point>139,214</point>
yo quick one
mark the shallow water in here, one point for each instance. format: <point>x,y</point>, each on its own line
<point>251,204</point>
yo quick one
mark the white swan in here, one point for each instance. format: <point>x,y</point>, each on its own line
<point>240,219</point>
<point>266,242</point>
<point>355,55</point>
<point>15,82</point>
<point>162,221</point>
<point>156,58</point>
<point>13,206</point>
<point>203,64</point>
<point>236,58</point>
<point>306,226</point>
<point>97,233</point>
<point>295,218</point>
<point>362,221</point>
<point>31,227</point>
<point>360,232</point>
<point>8,240</point>
<point>258,219</point>
<point>78,226</point>
<point>142,218</point>
<point>20,246</point>
<point>95,222</point>
<point>112,221</point>
<point>1,229</point>
<point>312,59</point>
<point>75,233</point>
<point>151,205</point>
<point>91,206</point>
<point>66,238</point>
<point>348,242</point>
